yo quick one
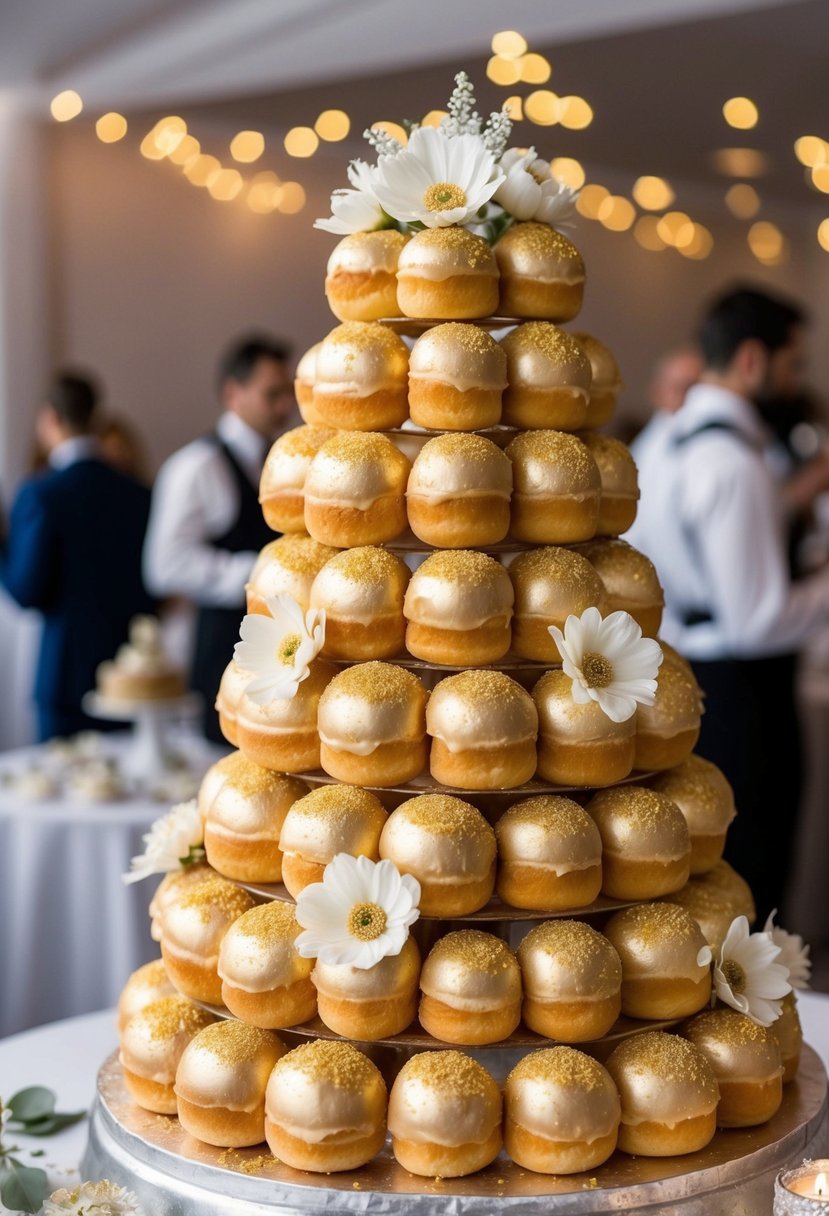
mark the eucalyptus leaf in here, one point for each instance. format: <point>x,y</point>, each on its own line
<point>53,1123</point>
<point>23,1188</point>
<point>34,1103</point>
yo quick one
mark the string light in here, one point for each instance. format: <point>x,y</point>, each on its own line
<point>741,162</point>
<point>111,127</point>
<point>509,43</point>
<point>149,147</point>
<point>66,105</point>
<point>301,141</point>
<point>811,150</point>
<point>575,113</point>
<point>503,71</point>
<point>823,234</point>
<point>571,172</point>
<point>199,171</point>
<point>646,231</point>
<point>168,133</point>
<point>186,152</point>
<point>332,125</point>
<point>590,200</point>
<point>225,185</point>
<point>535,69</point>
<point>740,112</point>
<point>653,193</point>
<point>820,178</point>
<point>542,107</point>
<point>672,224</point>
<point>264,193</point>
<point>616,213</point>
<point>292,198</point>
<point>247,146</point>
<point>766,242</point>
<point>700,245</point>
<point>742,200</point>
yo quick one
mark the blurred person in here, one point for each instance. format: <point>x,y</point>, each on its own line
<point>712,518</point>
<point>206,525</point>
<point>674,374</point>
<point>73,552</point>
<point>123,449</point>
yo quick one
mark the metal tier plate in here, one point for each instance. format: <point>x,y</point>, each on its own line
<point>174,1175</point>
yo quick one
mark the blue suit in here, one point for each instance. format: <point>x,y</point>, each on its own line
<point>73,552</point>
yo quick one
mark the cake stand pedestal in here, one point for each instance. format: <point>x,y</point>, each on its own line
<point>147,759</point>
<point>175,1175</point>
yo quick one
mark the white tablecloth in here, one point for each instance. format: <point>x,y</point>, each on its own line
<point>70,930</point>
<point>66,1057</point>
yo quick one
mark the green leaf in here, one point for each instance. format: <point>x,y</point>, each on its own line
<point>37,1152</point>
<point>53,1123</point>
<point>33,1103</point>
<point>22,1187</point>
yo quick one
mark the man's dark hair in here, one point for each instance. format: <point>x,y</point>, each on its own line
<point>742,314</point>
<point>240,358</point>
<point>73,397</point>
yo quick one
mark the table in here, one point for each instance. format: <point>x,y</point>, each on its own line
<point>72,931</point>
<point>66,1056</point>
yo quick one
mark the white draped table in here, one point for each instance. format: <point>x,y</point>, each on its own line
<point>66,1057</point>
<point>70,930</point>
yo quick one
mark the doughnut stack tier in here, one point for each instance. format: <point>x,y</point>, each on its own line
<point>448,499</point>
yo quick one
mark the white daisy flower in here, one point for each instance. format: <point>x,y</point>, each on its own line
<point>530,192</point>
<point>437,180</point>
<point>794,954</point>
<point>170,843</point>
<point>360,912</point>
<point>748,975</point>
<point>278,650</point>
<point>92,1199</point>
<point>608,661</point>
<point>355,210</point>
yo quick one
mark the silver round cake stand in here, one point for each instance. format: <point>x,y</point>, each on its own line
<point>146,761</point>
<point>175,1175</point>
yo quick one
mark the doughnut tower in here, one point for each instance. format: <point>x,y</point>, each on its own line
<point>449,500</point>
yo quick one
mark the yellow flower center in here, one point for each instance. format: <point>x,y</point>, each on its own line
<point>443,196</point>
<point>367,922</point>
<point>597,670</point>
<point>735,977</point>
<point>288,647</point>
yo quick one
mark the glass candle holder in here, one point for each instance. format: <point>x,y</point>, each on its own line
<point>803,1191</point>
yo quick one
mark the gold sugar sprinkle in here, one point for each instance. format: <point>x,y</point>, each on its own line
<point>217,895</point>
<point>619,564</point>
<point>235,1043</point>
<point>171,1015</point>
<point>451,1073</point>
<point>487,688</point>
<point>635,805</point>
<point>463,566</point>
<point>606,372</point>
<point>443,815</point>
<point>151,974</point>
<point>303,440</point>
<point>268,923</point>
<point>476,950</point>
<point>365,335</point>
<point>251,779</point>
<point>469,338</point>
<point>369,564</point>
<point>561,567</point>
<point>299,554</point>
<point>562,1066</point>
<point>459,444</point>
<point>362,448</point>
<point>553,814</point>
<point>728,1027</point>
<point>658,925</point>
<point>574,945</point>
<point>555,345</point>
<point>667,1057</point>
<point>332,1062</point>
<point>554,447</point>
<point>543,242</point>
<point>383,236</point>
<point>376,684</point>
<point>339,803</point>
<point>472,249</point>
<point>677,695</point>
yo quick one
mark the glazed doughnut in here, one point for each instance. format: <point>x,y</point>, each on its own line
<point>542,273</point>
<point>669,1095</point>
<point>705,798</point>
<point>304,385</point>
<point>555,499</point>
<point>369,1003</point>
<point>361,378</point>
<point>361,278</point>
<point>282,734</point>
<point>331,819</point>
<point>192,929</point>
<point>562,1112</point>
<point>714,899</point>
<point>282,484</point>
<point>265,982</point>
<point>666,961</point>
<point>148,984</point>
<point>459,492</point>
<point>221,1081</point>
<point>325,1108</point>
<point>471,986</point>
<point>171,887</point>
<point>372,725</point>
<point>549,855</point>
<point>215,777</point>
<point>667,731</point>
<point>444,1115</point>
<point>152,1043</point>
<point>579,744</point>
<point>646,849</point>
<point>457,376</point>
<point>745,1059</point>
<point>620,484</point>
<point>630,581</point>
<point>287,566</point>
<point>447,274</point>
<point>788,1034</point>
<point>550,584</point>
<point>361,591</point>
<point>355,491</point>
<point>549,378</point>
<point>606,383</point>
<point>458,607</point>
<point>448,846</point>
<point>241,831</point>
<point>483,727</point>
<point>572,981</point>
<point>232,687</point>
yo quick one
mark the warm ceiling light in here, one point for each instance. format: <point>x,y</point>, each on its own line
<point>590,200</point>
<point>149,147</point>
<point>301,141</point>
<point>262,198</point>
<point>292,198</point>
<point>811,150</point>
<point>740,112</point>
<point>542,107</point>
<point>566,169</point>
<point>700,245</point>
<point>509,43</point>
<point>202,169</point>
<point>766,242</point>
<point>535,69</point>
<point>434,118</point>
<point>168,134</point>
<point>742,200</point>
<point>671,225</point>
<point>247,146</point>
<point>616,213</point>
<point>503,71</point>
<point>332,125</point>
<point>514,108</point>
<point>653,193</point>
<point>186,152</point>
<point>225,185</point>
<point>820,178</point>
<point>685,235</point>
<point>111,127</point>
<point>393,129</point>
<point>823,234</point>
<point>741,162</point>
<point>646,232</point>
<point>575,113</point>
<point>66,105</point>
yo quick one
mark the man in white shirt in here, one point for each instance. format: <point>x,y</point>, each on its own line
<point>206,526</point>
<point>712,520</point>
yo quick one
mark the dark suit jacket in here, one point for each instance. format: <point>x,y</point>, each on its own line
<point>73,551</point>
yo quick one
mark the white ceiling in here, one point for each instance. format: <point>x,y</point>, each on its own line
<point>145,53</point>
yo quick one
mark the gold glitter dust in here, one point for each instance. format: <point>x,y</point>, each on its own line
<point>542,242</point>
<point>367,922</point>
<point>363,448</point>
<point>369,564</point>
<point>235,1043</point>
<point>658,924</point>
<point>443,815</point>
<point>170,1015</point>
<point>576,946</point>
<point>487,688</point>
<point>451,1073</point>
<point>443,196</point>
<point>470,447</point>
<point>634,806</point>
<point>466,246</point>
<point>469,338</point>
<point>561,567</point>
<point>303,440</point>
<point>555,345</point>
<point>299,554</point>
<point>366,335</point>
<point>217,896</point>
<point>269,923</point>
<point>619,565</point>
<point>475,950</point>
<point>564,451</point>
<point>554,815</point>
<point>331,1063</point>
<point>562,1066</point>
<point>463,566</point>
<point>667,1057</point>
<point>376,684</point>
